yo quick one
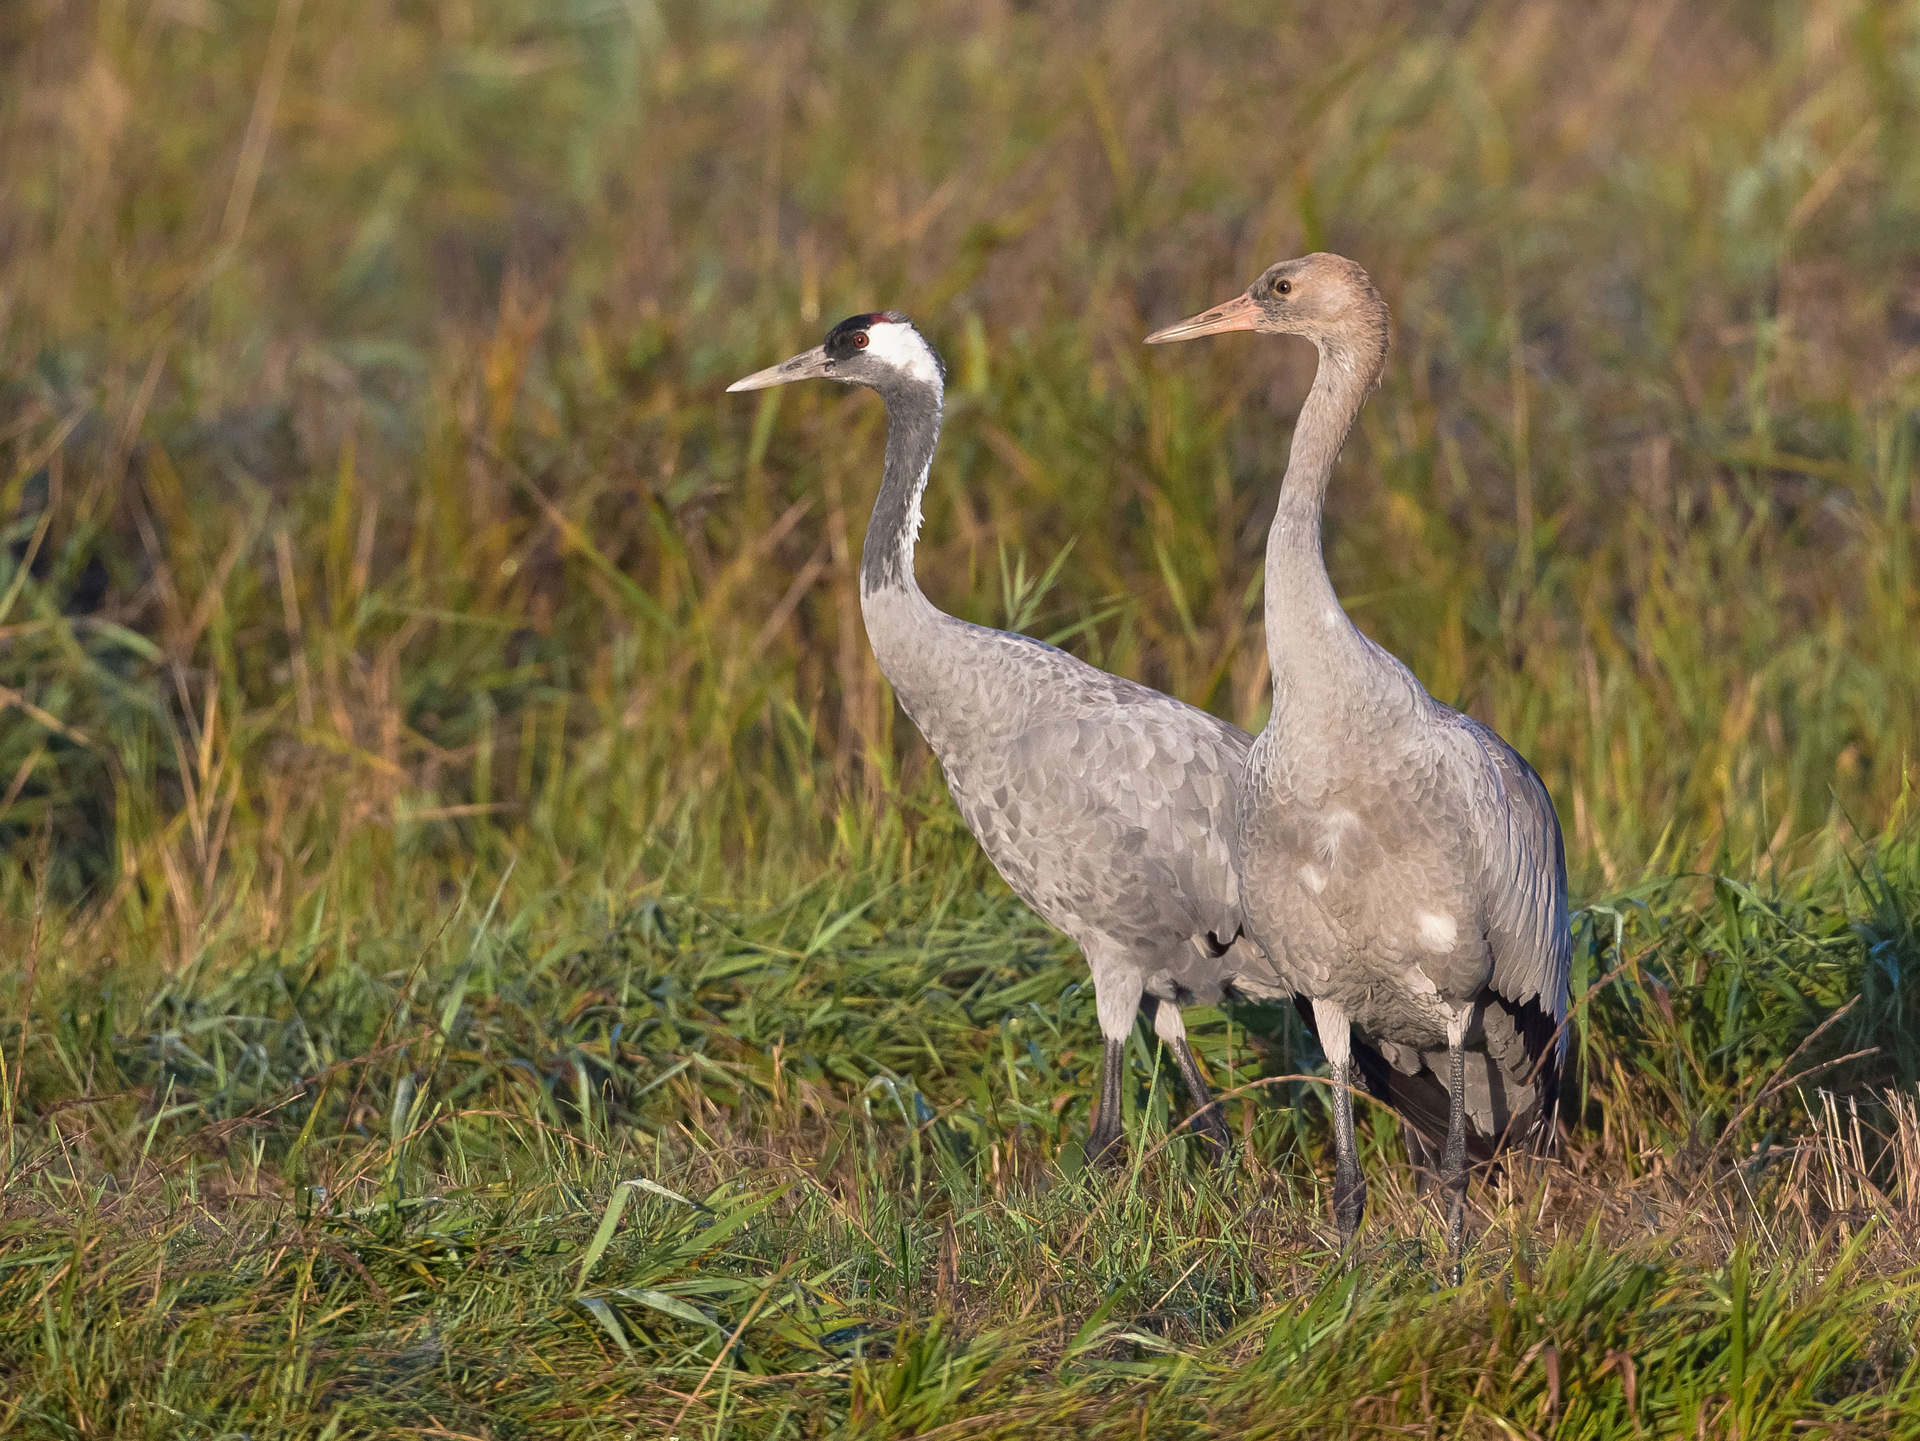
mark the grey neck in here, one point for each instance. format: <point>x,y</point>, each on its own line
<point>913,429</point>
<point>1306,629</point>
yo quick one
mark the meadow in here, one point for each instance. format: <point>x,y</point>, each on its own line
<point>482,956</point>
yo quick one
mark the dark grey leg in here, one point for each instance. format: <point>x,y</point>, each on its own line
<point>1423,1156</point>
<point>1105,1146</point>
<point>1349,1183</point>
<point>1207,1120</point>
<point>1453,1165</point>
<point>1117,984</point>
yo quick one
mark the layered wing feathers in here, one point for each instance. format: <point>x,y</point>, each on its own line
<point>1118,821</point>
<point>1524,878</point>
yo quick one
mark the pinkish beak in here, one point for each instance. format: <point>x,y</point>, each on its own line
<point>1240,313</point>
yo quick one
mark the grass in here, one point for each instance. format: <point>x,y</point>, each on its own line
<point>602,1166</point>
<point>444,780</point>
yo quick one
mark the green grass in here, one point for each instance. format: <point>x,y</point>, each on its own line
<point>529,1169</point>
<point>444,777</point>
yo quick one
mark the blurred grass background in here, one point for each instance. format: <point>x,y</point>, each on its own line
<point>408,654</point>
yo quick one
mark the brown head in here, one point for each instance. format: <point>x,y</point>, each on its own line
<point>1326,298</point>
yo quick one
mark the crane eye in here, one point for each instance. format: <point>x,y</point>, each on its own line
<point>1282,287</point>
<point>860,340</point>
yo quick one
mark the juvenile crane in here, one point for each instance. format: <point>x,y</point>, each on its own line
<point>1399,862</point>
<point>1107,806</point>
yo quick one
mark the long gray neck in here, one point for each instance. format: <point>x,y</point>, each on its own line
<point>913,429</point>
<point>1309,638</point>
<point>911,637</point>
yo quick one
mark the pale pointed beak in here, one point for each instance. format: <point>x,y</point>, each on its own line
<point>808,365</point>
<point>1240,313</point>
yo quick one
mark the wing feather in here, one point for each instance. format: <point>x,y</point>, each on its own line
<point>1524,877</point>
<point>1127,823</point>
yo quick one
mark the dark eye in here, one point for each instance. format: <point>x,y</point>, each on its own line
<point>1282,287</point>
<point>860,341</point>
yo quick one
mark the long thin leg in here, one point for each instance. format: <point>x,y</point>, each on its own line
<point>1349,1183</point>
<point>1117,988</point>
<point>1106,1145</point>
<point>1207,1120</point>
<point>1453,1165</point>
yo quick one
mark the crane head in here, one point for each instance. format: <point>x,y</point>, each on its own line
<point>881,350</point>
<point>1326,298</point>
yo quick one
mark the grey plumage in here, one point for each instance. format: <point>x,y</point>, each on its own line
<point>1107,806</point>
<point>1400,863</point>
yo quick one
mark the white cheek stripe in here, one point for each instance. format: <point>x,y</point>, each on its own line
<point>899,345</point>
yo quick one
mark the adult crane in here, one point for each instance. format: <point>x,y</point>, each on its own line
<point>1107,806</point>
<point>1399,862</point>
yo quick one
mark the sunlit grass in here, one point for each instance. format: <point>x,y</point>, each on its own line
<point>531,1167</point>
<point>443,777</point>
